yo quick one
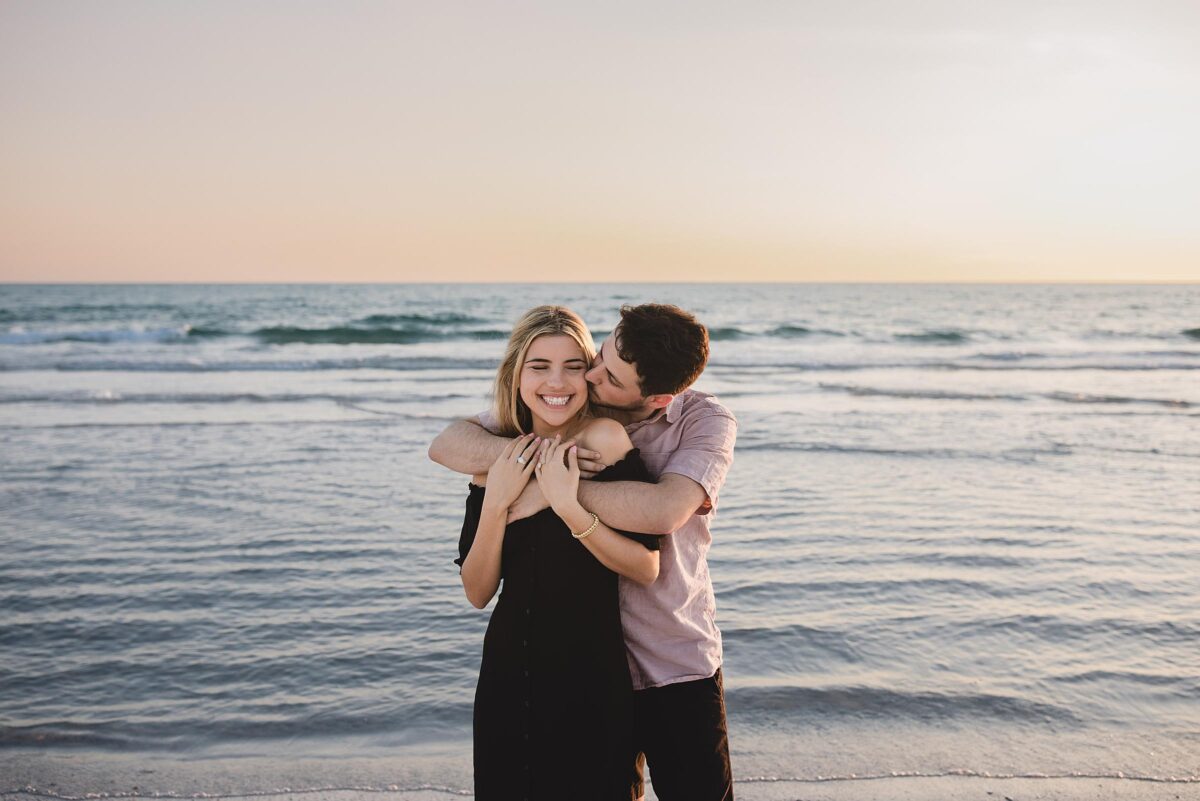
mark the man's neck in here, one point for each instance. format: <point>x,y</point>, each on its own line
<point>628,417</point>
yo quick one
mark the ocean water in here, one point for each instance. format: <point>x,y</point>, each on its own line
<point>961,536</point>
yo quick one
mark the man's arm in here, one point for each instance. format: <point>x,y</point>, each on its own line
<point>467,447</point>
<point>645,508</point>
<point>688,484</point>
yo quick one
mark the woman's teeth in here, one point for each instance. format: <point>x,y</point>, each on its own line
<point>555,400</point>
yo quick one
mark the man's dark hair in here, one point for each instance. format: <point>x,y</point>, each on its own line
<point>666,344</point>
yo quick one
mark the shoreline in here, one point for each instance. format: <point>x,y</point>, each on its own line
<point>910,788</point>
<point>420,774</point>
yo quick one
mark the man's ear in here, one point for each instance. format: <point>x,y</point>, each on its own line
<point>658,401</point>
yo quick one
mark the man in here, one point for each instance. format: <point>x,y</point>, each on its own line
<point>641,376</point>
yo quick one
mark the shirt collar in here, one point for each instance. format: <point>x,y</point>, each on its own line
<point>672,411</point>
<point>674,408</point>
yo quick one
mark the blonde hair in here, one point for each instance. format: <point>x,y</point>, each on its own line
<point>512,414</point>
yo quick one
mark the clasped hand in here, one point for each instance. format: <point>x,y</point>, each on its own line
<point>509,474</point>
<point>558,474</point>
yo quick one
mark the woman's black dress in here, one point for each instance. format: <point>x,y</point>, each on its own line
<point>554,704</point>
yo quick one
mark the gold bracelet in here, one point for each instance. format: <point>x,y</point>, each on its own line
<point>590,529</point>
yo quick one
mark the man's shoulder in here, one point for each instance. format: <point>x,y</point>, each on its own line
<point>487,419</point>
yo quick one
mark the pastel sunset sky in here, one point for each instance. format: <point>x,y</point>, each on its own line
<point>579,141</point>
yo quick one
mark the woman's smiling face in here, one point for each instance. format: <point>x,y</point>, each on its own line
<point>551,381</point>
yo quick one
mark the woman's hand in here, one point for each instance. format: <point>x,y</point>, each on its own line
<point>509,474</point>
<point>558,475</point>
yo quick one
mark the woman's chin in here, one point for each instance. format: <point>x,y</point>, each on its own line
<point>553,418</point>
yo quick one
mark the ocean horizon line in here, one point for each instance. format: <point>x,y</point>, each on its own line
<point>1089,282</point>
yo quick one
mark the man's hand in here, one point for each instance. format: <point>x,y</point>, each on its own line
<point>528,503</point>
<point>589,462</point>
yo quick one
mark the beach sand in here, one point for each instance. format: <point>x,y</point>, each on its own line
<point>30,775</point>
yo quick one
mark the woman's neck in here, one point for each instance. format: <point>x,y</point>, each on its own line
<point>547,431</point>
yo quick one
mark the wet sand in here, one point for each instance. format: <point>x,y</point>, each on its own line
<point>29,775</point>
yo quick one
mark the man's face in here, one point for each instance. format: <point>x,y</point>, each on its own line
<point>613,382</point>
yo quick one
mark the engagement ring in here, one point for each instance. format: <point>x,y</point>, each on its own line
<point>520,460</point>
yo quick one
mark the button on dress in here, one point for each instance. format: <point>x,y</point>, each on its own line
<point>554,704</point>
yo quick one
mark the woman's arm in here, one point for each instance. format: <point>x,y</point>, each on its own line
<point>615,551</point>
<point>506,478</point>
<point>618,553</point>
<point>481,568</point>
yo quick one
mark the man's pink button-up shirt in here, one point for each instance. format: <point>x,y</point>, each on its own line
<point>671,632</point>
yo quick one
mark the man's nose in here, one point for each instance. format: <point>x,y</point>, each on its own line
<point>592,376</point>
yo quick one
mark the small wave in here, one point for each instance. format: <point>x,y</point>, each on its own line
<point>1013,455</point>
<point>440,318</point>
<point>349,335</point>
<point>197,365</point>
<point>108,397</point>
<point>1083,397</point>
<point>433,418</point>
<point>953,365</point>
<point>822,447</point>
<point>202,332</point>
<point>111,335</point>
<point>280,723</point>
<point>726,334</point>
<point>408,331</point>
<point>1066,397</point>
<point>963,560</point>
<point>884,703</point>
<point>79,311</point>
<point>1008,356</point>
<point>789,331</point>
<point>796,636</point>
<point>942,336</point>
<point>394,790</point>
<point>1191,333</point>
<point>1187,687</point>
<point>919,394</point>
<point>967,774</point>
<point>769,591</point>
<point>1055,629</point>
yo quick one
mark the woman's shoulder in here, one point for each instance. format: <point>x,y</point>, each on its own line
<point>606,436</point>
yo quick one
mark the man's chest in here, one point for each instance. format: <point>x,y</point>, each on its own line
<point>656,444</point>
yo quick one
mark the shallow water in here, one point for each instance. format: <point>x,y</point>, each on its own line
<point>962,532</point>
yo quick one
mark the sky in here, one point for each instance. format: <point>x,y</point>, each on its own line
<point>620,141</point>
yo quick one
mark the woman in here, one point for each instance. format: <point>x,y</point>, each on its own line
<point>553,708</point>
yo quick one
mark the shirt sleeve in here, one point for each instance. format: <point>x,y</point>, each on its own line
<point>488,421</point>
<point>705,453</point>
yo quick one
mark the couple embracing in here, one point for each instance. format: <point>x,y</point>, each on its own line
<point>602,654</point>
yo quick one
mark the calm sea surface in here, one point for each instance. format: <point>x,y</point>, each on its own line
<point>961,534</point>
